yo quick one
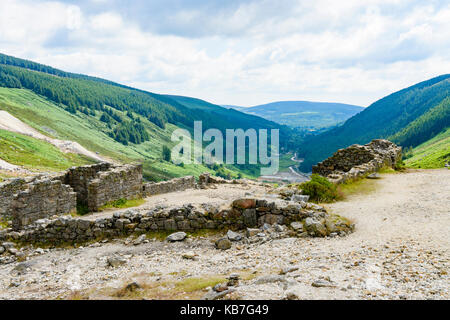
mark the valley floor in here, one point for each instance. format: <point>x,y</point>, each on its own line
<point>400,250</point>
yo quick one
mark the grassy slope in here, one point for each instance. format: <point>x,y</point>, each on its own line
<point>55,122</point>
<point>434,153</point>
<point>36,155</point>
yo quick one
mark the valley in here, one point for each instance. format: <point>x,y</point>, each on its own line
<point>95,156</point>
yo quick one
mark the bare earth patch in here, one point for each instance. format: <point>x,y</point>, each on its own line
<point>398,251</point>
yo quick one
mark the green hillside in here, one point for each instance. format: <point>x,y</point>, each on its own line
<point>387,118</point>
<point>35,154</point>
<point>434,153</point>
<point>425,127</point>
<point>89,95</point>
<point>116,121</point>
<point>55,122</point>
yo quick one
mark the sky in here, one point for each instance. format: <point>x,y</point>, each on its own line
<point>238,52</point>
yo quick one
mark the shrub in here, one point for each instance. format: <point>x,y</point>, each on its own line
<point>319,189</point>
<point>166,153</point>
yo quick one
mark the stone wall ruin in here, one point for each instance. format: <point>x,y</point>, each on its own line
<point>312,220</point>
<point>358,161</point>
<point>26,200</point>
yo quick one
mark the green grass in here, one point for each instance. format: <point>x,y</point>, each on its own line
<point>123,204</point>
<point>434,153</point>
<point>36,154</point>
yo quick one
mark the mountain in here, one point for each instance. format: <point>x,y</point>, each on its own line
<point>304,114</point>
<point>117,121</point>
<point>407,117</point>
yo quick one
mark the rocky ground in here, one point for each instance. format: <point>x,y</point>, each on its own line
<point>398,251</point>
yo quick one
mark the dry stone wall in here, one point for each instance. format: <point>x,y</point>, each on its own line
<point>358,161</point>
<point>119,183</point>
<point>178,184</point>
<point>79,179</point>
<point>312,220</point>
<point>26,200</point>
<point>8,190</point>
<point>42,199</point>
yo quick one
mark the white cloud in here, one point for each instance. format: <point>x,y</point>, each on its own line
<point>245,54</point>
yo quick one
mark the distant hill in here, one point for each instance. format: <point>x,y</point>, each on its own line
<point>304,114</point>
<point>408,117</point>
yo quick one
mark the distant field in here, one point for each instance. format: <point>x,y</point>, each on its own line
<point>434,153</point>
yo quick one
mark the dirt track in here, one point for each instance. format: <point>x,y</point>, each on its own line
<point>400,250</point>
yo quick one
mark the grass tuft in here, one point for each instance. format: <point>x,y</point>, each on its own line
<point>320,189</point>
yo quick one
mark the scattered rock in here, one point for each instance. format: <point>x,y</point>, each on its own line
<point>177,236</point>
<point>116,261</point>
<point>190,255</point>
<point>322,283</point>
<point>297,226</point>
<point>2,249</point>
<point>131,287</point>
<point>233,236</point>
<point>293,294</point>
<point>220,287</point>
<point>288,270</point>
<point>140,240</point>
<point>22,268</point>
<point>213,295</point>
<point>374,175</point>
<point>233,280</point>
<point>223,244</point>
<point>251,232</point>
<point>8,245</point>
<point>13,251</point>
<point>315,228</point>
<point>270,279</point>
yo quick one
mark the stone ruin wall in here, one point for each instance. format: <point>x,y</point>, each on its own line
<point>240,214</point>
<point>47,198</point>
<point>8,190</point>
<point>80,177</point>
<point>119,183</point>
<point>26,200</point>
<point>177,184</point>
<point>358,161</point>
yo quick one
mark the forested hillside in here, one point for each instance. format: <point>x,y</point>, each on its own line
<point>93,96</point>
<point>407,116</point>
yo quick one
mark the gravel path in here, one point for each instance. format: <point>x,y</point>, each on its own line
<point>398,251</point>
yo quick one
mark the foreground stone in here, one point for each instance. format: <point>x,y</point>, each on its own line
<point>223,244</point>
<point>177,236</point>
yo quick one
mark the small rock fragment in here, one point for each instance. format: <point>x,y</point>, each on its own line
<point>177,236</point>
